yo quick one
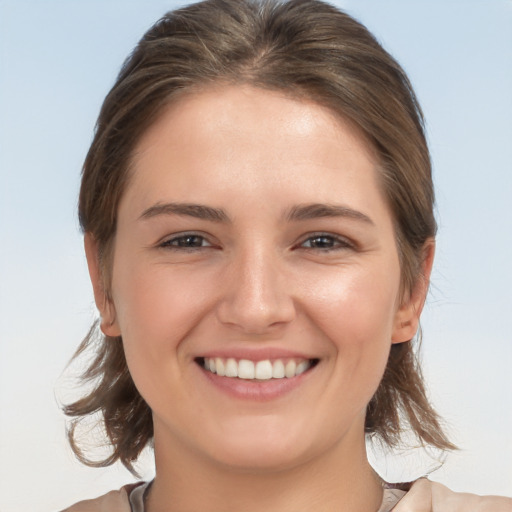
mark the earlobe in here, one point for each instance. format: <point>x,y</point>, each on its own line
<point>108,324</point>
<point>407,317</point>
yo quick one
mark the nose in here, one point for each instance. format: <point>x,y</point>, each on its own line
<point>256,295</point>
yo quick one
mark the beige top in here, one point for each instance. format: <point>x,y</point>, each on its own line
<point>131,499</point>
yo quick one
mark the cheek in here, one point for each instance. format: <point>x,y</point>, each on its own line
<point>157,310</point>
<point>356,313</point>
<point>355,306</point>
<point>158,305</point>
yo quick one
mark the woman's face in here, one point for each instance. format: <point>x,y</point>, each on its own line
<point>253,235</point>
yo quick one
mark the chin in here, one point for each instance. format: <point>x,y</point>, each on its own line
<point>260,449</point>
<point>255,460</point>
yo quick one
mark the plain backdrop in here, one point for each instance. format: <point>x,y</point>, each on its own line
<point>58,59</point>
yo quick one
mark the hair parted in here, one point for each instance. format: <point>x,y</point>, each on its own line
<point>307,49</point>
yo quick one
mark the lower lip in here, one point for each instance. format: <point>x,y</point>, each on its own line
<point>256,390</point>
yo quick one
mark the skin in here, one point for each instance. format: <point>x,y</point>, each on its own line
<point>426,496</point>
<point>257,278</point>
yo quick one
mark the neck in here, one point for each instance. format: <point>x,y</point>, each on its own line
<point>339,479</point>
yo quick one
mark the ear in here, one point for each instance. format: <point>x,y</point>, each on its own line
<point>407,317</point>
<point>108,325</point>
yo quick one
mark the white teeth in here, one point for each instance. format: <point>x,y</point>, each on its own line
<point>302,367</point>
<point>219,367</point>
<point>278,369</point>
<point>289,369</point>
<point>245,369</point>
<point>261,370</point>
<point>231,368</point>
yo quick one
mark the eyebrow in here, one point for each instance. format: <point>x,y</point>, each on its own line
<point>197,211</point>
<point>318,210</point>
<point>296,213</point>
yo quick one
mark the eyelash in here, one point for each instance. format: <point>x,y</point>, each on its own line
<point>333,242</point>
<point>336,242</point>
<point>174,242</point>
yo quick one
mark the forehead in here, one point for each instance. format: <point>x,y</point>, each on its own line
<point>253,141</point>
<point>214,110</point>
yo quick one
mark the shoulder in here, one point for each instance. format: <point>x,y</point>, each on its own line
<point>425,496</point>
<point>113,501</point>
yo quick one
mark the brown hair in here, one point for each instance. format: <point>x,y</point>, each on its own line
<point>305,48</point>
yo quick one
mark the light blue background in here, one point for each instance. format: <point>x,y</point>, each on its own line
<point>58,60</point>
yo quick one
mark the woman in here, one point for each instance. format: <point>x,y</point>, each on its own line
<point>257,206</point>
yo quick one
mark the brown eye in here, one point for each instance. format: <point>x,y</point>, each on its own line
<point>187,242</point>
<point>325,242</point>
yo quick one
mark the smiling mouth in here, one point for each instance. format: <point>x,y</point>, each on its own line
<point>256,370</point>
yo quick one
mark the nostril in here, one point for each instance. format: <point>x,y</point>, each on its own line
<point>256,308</point>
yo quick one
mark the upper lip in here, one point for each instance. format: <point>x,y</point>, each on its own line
<point>256,354</point>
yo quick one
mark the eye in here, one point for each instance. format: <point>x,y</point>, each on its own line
<point>325,242</point>
<point>186,241</point>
